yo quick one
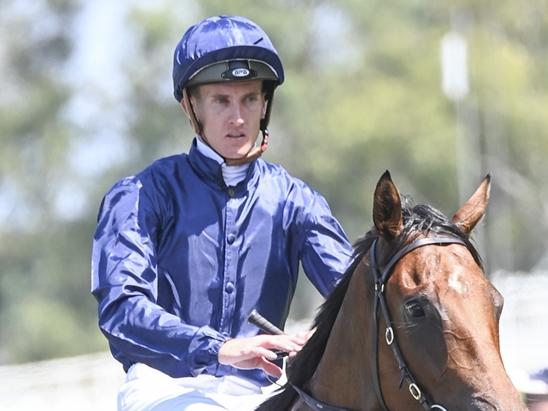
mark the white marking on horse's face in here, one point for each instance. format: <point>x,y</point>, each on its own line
<point>457,283</point>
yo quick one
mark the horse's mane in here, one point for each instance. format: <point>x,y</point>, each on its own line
<point>417,219</point>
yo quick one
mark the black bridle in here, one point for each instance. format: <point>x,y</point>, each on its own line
<point>382,275</point>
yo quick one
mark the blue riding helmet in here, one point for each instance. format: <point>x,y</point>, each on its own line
<point>226,48</point>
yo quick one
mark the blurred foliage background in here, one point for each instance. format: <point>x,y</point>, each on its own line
<point>86,98</point>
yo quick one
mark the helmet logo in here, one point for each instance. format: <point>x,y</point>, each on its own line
<point>240,72</point>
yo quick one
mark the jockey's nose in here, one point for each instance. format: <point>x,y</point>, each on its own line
<point>236,115</point>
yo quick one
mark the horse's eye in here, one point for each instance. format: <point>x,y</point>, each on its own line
<point>414,309</point>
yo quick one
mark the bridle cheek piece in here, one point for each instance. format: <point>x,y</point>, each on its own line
<point>381,306</point>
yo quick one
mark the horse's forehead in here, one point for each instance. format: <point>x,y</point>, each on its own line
<point>453,264</point>
<point>441,257</point>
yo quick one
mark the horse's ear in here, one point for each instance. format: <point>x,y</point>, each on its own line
<point>473,210</point>
<point>387,208</point>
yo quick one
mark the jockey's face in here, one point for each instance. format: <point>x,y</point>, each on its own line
<point>230,114</point>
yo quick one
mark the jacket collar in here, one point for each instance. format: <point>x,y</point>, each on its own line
<point>210,170</point>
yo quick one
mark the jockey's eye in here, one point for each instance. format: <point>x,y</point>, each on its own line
<point>414,309</point>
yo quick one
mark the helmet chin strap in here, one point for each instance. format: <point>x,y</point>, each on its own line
<point>253,154</point>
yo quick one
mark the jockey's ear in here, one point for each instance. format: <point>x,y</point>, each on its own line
<point>469,214</point>
<point>387,214</point>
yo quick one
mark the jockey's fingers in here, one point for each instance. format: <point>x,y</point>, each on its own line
<point>305,335</point>
<point>262,352</point>
<point>267,338</point>
<point>270,368</point>
<point>263,346</point>
<point>298,339</point>
<point>284,343</point>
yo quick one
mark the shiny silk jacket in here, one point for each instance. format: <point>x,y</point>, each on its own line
<point>180,259</point>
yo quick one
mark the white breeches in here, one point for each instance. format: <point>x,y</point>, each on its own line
<point>147,389</point>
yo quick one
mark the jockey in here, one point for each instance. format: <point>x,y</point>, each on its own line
<point>187,248</point>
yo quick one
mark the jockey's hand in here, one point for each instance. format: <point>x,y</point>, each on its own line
<point>258,351</point>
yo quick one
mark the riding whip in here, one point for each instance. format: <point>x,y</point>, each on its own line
<point>258,320</point>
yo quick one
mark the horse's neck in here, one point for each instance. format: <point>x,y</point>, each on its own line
<point>343,376</point>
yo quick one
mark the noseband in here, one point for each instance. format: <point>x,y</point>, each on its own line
<point>382,275</point>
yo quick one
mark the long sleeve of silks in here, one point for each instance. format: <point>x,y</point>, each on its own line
<point>326,251</point>
<point>125,284</point>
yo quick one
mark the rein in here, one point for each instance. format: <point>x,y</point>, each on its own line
<point>382,275</point>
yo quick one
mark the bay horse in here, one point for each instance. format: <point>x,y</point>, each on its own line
<point>412,325</point>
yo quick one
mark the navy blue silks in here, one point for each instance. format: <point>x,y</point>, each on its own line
<point>180,260</point>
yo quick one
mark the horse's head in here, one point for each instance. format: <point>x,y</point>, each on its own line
<point>444,311</point>
<point>412,325</point>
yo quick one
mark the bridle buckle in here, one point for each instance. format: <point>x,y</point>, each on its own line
<point>415,391</point>
<point>389,335</point>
